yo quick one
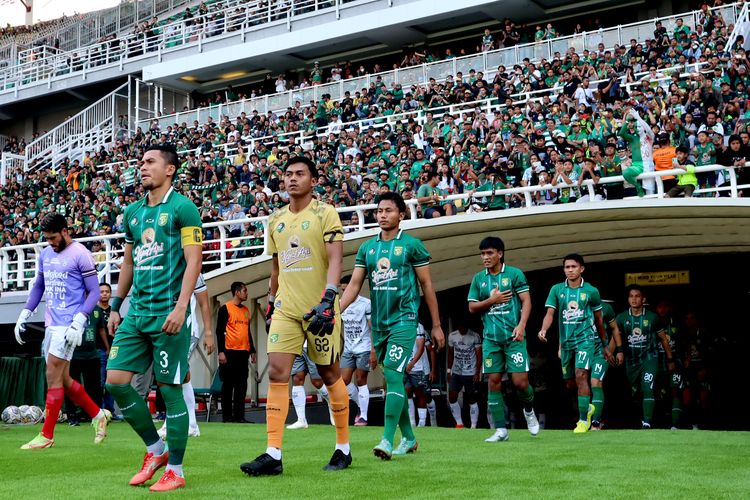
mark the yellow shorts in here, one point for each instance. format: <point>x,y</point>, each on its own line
<point>289,334</point>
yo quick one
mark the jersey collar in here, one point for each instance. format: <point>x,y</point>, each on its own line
<point>166,196</point>
<point>398,236</point>
<point>502,270</point>
<point>568,286</point>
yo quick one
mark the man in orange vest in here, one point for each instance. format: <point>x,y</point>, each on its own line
<point>664,155</point>
<point>235,350</point>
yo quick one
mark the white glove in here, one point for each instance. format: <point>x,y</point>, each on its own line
<point>74,333</point>
<point>21,325</point>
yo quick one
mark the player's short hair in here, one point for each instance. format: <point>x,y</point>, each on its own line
<point>104,283</point>
<point>53,223</point>
<point>396,198</point>
<point>168,152</point>
<point>307,161</point>
<point>574,257</point>
<point>632,287</point>
<point>492,242</point>
<point>346,279</point>
<point>236,287</point>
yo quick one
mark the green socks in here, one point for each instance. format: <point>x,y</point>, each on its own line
<point>597,399</point>
<point>395,403</point>
<point>135,411</point>
<point>404,423</point>
<point>177,422</point>
<point>497,408</point>
<point>526,398</point>
<point>583,407</point>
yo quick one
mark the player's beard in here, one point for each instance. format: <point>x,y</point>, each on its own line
<point>62,246</point>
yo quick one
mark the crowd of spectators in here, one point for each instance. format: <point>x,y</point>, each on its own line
<point>572,130</point>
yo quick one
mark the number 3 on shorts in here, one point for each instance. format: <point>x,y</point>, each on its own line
<point>164,359</point>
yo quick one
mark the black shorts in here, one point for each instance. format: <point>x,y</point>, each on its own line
<point>465,382</point>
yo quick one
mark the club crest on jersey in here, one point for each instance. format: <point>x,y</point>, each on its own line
<point>383,273</point>
<point>295,252</point>
<point>505,281</point>
<point>273,338</point>
<point>583,296</point>
<point>163,218</point>
<point>488,362</point>
<point>305,225</point>
<point>398,251</point>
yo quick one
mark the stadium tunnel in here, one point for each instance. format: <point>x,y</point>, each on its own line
<point>695,250</point>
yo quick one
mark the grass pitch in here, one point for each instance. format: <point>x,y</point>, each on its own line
<point>450,463</point>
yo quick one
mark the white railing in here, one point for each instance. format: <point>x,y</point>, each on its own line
<point>486,62</point>
<point>170,37</point>
<point>741,27</point>
<point>10,164</point>
<point>90,128</point>
<point>81,30</point>
<point>18,263</point>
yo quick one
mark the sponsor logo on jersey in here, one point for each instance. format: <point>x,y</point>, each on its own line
<point>583,296</point>
<point>372,251</point>
<point>295,252</point>
<point>636,337</point>
<point>163,218</point>
<point>149,249</point>
<point>280,227</point>
<point>572,313</point>
<point>383,273</point>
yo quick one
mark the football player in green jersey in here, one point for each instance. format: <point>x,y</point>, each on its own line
<point>579,316</point>
<point>501,294</point>
<point>162,261</point>
<point>600,363</point>
<point>671,382</point>
<point>393,262</point>
<point>642,331</point>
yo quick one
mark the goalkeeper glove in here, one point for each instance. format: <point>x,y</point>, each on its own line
<point>74,333</point>
<point>21,325</point>
<point>322,317</point>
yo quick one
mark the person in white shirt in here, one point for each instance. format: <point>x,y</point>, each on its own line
<point>358,358</point>
<point>464,371</point>
<point>418,378</point>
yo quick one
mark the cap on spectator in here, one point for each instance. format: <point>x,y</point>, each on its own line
<point>383,172</point>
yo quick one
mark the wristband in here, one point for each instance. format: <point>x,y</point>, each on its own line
<point>271,298</point>
<point>116,303</point>
<point>334,288</point>
<point>449,371</point>
<point>618,349</point>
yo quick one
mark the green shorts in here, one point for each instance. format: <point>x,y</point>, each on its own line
<point>641,375</point>
<point>580,357</point>
<point>599,366</point>
<point>393,348</point>
<point>509,356</point>
<point>139,342</point>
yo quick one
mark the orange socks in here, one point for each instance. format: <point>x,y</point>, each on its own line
<point>277,408</point>
<point>339,400</point>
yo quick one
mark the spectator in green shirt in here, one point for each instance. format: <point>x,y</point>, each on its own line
<point>429,196</point>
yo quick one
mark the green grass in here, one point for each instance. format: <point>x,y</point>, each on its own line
<point>449,464</point>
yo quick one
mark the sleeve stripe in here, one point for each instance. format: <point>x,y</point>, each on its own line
<point>521,290</point>
<point>86,274</point>
<point>473,300</point>
<point>550,305</point>
<point>361,266</point>
<point>421,264</point>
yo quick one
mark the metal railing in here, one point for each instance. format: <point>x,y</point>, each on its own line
<point>170,37</point>
<point>10,164</point>
<point>92,127</point>
<point>226,244</point>
<point>486,62</point>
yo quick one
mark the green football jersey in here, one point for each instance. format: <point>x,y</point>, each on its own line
<point>673,336</point>
<point>640,335</point>
<point>87,349</point>
<point>500,319</point>
<point>158,235</point>
<point>575,312</point>
<point>394,292</point>
<point>608,316</point>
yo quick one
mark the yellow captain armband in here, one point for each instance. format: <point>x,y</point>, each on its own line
<point>191,235</point>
